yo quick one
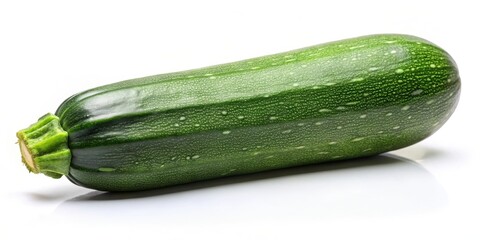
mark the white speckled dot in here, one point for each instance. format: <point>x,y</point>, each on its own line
<point>300,147</point>
<point>393,51</point>
<point>287,131</point>
<point>373,69</point>
<point>295,84</point>
<point>196,125</point>
<point>268,157</point>
<point>363,116</point>
<point>417,92</point>
<point>332,143</point>
<point>339,127</point>
<point>224,112</point>
<point>396,127</point>
<point>273,118</point>
<point>341,108</point>
<point>380,132</point>
<point>389,114</point>
<point>182,118</point>
<point>399,70</point>
<point>405,108</point>
<point>433,65</point>
<point>301,124</point>
<point>176,125</point>
<point>366,150</point>
<point>244,149</point>
<point>357,79</point>
<point>240,117</point>
<point>352,103</point>
<point>430,102</point>
<point>324,110</point>
<point>323,153</point>
<point>195,156</point>
<point>358,139</point>
<point>226,132</point>
<point>318,123</point>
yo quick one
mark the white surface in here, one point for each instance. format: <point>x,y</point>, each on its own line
<point>50,50</point>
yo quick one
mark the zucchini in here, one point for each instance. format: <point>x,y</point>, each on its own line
<point>339,100</point>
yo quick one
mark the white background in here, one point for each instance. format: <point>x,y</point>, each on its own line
<point>50,50</point>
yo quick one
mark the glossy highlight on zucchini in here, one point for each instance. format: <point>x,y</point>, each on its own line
<point>345,99</point>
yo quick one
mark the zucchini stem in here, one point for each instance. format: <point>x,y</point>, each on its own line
<point>44,147</point>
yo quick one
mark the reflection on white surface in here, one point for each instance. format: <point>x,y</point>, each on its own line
<point>385,185</point>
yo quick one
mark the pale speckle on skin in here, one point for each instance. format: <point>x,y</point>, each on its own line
<point>363,116</point>
<point>244,149</point>
<point>396,127</point>
<point>373,69</point>
<point>287,131</point>
<point>366,150</point>
<point>389,114</point>
<point>291,73</point>
<point>188,157</point>
<point>173,158</point>
<point>409,117</point>
<point>339,127</point>
<point>273,118</point>
<point>182,118</point>
<point>213,77</point>
<point>304,65</point>
<point>315,87</point>
<point>176,125</point>
<point>341,108</point>
<point>400,81</point>
<point>318,123</point>
<point>417,92</point>
<point>329,84</point>
<point>430,102</point>
<point>433,65</point>
<point>240,117</point>
<point>270,156</point>
<point>224,112</point>
<point>435,124</point>
<point>405,108</point>
<point>332,143</point>
<point>301,124</point>
<point>352,103</point>
<point>295,84</point>
<point>300,147</point>
<point>366,94</point>
<point>391,41</point>
<point>226,132</point>
<point>358,46</point>
<point>273,64</point>
<point>256,67</point>
<point>393,51</point>
<point>399,70</point>
<point>357,79</point>
<point>163,165</point>
<point>380,132</point>
<point>208,74</point>
<point>358,139</point>
<point>266,96</point>
<point>323,153</point>
<point>197,125</point>
<point>290,60</point>
<point>195,156</point>
<point>256,153</point>
<point>324,110</point>
<point>190,76</point>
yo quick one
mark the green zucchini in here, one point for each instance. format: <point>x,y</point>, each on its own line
<point>339,100</point>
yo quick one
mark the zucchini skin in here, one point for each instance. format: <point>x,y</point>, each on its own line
<point>340,100</point>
